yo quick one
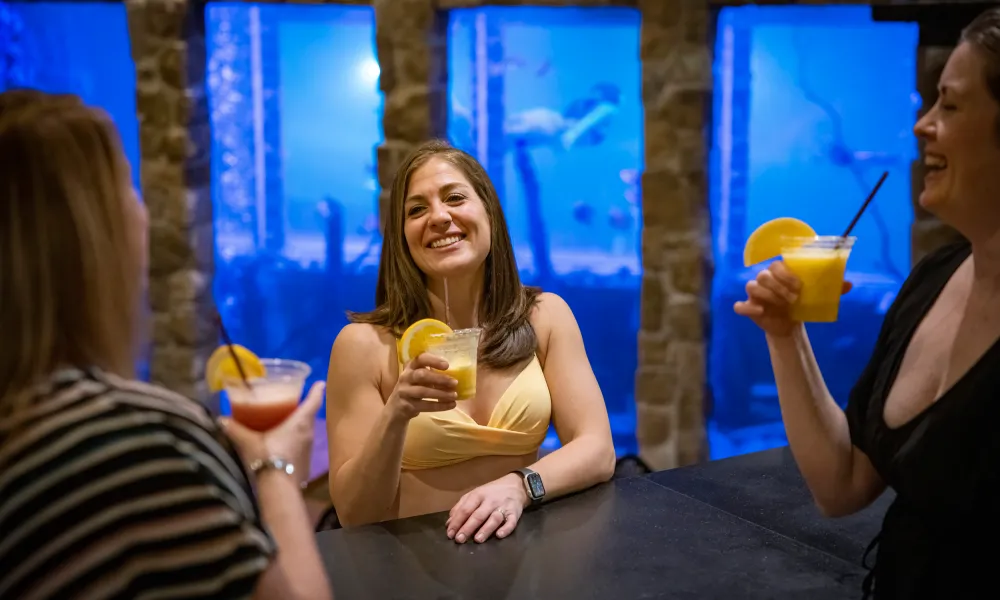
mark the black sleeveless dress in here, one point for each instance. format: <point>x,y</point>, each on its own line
<point>939,538</point>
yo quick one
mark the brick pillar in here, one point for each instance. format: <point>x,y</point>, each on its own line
<point>412,47</point>
<point>928,233</point>
<point>676,90</point>
<point>168,47</point>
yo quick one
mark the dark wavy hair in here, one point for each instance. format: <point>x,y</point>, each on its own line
<point>983,34</point>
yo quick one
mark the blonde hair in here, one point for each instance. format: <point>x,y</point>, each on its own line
<point>70,277</point>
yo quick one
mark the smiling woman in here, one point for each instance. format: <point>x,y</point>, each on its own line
<point>922,417</point>
<point>399,444</point>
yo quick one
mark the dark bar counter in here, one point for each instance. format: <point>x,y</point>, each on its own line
<point>744,527</point>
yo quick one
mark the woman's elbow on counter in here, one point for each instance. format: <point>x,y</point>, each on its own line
<point>836,507</point>
<point>607,462</point>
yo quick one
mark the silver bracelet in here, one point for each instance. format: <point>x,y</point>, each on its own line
<point>273,462</point>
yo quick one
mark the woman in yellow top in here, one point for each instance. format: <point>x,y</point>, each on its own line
<point>399,444</point>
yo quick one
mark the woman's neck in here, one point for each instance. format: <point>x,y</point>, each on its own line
<point>456,300</point>
<point>986,260</point>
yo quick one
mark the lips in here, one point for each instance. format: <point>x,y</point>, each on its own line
<point>446,241</point>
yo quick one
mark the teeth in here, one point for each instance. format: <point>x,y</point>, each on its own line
<point>446,241</point>
<point>935,162</point>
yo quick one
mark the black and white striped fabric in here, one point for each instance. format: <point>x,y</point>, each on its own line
<point>117,489</point>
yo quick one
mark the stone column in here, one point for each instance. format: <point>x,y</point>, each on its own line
<point>927,232</point>
<point>168,47</point>
<point>676,90</point>
<point>412,47</point>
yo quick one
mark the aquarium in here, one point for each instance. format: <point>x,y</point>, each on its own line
<point>811,106</point>
<point>296,119</point>
<point>559,129</point>
<point>79,48</point>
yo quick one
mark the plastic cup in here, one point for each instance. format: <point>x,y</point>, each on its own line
<point>819,263</point>
<point>461,350</point>
<point>270,399</point>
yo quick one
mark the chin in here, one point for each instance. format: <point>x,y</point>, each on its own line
<point>456,266</point>
<point>930,199</point>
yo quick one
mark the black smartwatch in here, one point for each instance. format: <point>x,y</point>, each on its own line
<point>533,484</point>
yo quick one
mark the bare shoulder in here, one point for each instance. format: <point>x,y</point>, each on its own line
<point>551,315</point>
<point>361,347</point>
<point>550,310</point>
<point>356,337</point>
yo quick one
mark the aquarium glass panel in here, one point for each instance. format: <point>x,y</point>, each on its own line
<point>559,127</point>
<point>296,119</point>
<point>78,48</point>
<point>812,105</point>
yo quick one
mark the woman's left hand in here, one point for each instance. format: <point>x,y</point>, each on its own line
<point>493,508</point>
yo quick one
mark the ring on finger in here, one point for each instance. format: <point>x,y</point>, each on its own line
<point>503,513</point>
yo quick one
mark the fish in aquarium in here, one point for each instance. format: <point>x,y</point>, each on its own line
<point>619,219</point>
<point>583,212</point>
<point>583,123</point>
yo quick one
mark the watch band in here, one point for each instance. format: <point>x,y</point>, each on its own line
<point>272,462</point>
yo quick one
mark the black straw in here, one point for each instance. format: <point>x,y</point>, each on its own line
<point>861,210</point>
<point>232,351</point>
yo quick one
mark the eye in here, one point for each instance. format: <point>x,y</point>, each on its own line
<point>455,198</point>
<point>948,107</point>
<point>414,210</point>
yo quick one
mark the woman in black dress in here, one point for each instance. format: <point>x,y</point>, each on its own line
<point>923,417</point>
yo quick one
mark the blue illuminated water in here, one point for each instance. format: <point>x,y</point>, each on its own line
<point>559,128</point>
<point>812,104</point>
<point>296,118</point>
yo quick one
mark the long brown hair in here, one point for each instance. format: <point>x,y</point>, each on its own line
<point>401,295</point>
<point>69,276</point>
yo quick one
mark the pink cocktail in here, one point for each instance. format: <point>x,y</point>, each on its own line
<point>270,399</point>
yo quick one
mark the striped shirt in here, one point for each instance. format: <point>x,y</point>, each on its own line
<point>116,489</point>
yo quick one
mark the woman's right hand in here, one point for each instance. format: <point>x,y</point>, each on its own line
<point>770,297</point>
<point>292,440</point>
<point>422,388</point>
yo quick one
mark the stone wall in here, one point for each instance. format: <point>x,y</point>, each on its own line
<point>411,44</point>
<point>168,47</point>
<point>676,91</point>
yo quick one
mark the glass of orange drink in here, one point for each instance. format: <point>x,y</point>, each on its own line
<point>461,349</point>
<point>270,398</point>
<point>819,262</point>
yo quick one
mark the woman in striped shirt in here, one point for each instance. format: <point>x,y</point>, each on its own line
<point>111,488</point>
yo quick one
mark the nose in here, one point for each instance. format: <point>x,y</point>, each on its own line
<point>924,128</point>
<point>440,217</point>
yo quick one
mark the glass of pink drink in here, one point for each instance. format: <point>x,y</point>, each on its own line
<point>270,399</point>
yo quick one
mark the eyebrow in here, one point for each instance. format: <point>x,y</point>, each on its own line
<point>445,189</point>
<point>946,89</point>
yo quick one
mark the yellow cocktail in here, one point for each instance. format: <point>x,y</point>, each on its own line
<point>819,263</point>
<point>461,350</point>
<point>465,375</point>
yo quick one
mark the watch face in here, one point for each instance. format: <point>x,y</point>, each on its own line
<point>535,485</point>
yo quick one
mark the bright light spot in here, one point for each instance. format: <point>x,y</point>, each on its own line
<point>370,70</point>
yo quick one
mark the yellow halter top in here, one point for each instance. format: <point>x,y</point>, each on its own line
<point>516,427</point>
